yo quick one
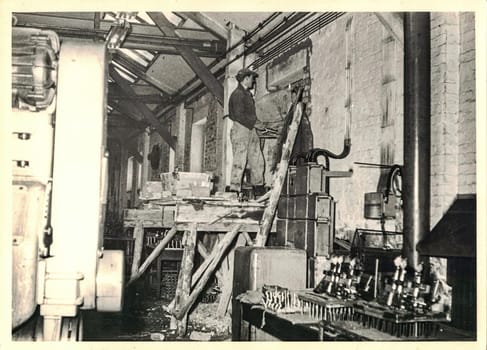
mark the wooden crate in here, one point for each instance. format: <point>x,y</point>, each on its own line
<point>185,184</point>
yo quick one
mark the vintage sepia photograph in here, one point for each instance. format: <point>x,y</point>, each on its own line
<point>244,176</point>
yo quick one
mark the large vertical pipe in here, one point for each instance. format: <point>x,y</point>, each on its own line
<point>417,99</point>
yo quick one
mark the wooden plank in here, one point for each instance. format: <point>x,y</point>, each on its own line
<point>142,214</point>
<point>204,266</point>
<point>189,242</point>
<point>208,213</point>
<point>182,311</point>
<point>215,228</point>
<point>155,253</point>
<point>205,254</point>
<point>138,246</point>
<point>228,281</point>
<point>193,61</point>
<point>279,177</point>
<point>146,112</point>
<point>249,240</point>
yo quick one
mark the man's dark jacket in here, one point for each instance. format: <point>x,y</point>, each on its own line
<point>241,107</point>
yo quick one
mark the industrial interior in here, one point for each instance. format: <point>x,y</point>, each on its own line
<point>244,176</point>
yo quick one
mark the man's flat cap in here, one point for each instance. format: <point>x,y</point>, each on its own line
<point>245,72</point>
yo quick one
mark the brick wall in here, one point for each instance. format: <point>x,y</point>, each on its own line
<point>208,107</point>
<point>445,48</point>
<point>156,139</point>
<point>210,159</point>
<point>466,132</point>
<point>368,133</point>
<point>377,109</point>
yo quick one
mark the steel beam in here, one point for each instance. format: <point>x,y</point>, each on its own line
<point>59,19</point>
<point>208,23</point>
<point>126,108</point>
<point>144,110</point>
<point>115,93</point>
<point>194,62</point>
<point>123,121</point>
<point>141,35</point>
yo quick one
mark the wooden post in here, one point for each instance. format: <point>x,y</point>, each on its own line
<point>181,312</point>
<point>228,281</point>
<point>144,175</point>
<point>123,179</point>
<point>199,272</point>
<point>138,247</point>
<point>205,254</point>
<point>135,181</point>
<point>202,268</point>
<point>155,253</point>
<point>279,177</point>
<point>189,242</point>
<point>249,240</point>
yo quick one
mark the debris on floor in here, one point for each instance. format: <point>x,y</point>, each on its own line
<point>157,336</point>
<point>148,319</point>
<point>200,336</point>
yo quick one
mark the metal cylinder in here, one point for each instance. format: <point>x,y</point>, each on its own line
<point>417,99</point>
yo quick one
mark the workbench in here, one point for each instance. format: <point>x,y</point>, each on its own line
<point>260,324</point>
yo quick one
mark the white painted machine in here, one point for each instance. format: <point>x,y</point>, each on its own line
<point>60,172</point>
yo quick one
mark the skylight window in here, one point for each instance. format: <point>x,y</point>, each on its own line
<point>126,74</point>
<point>137,56</point>
<point>171,17</point>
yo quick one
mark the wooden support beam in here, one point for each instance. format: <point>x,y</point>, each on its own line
<point>227,288</point>
<point>194,62</point>
<point>181,312</point>
<point>122,185</point>
<point>144,175</point>
<point>208,23</point>
<point>96,21</point>
<point>146,112</point>
<point>247,238</point>
<point>138,247</point>
<point>134,196</point>
<point>155,253</point>
<point>205,254</point>
<point>278,180</point>
<point>189,242</point>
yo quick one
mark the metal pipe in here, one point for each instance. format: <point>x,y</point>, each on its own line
<point>223,56</point>
<point>315,25</point>
<point>417,99</point>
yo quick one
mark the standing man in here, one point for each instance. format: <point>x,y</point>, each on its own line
<point>245,142</point>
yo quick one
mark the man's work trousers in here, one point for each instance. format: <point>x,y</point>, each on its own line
<point>246,152</point>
